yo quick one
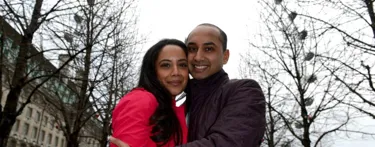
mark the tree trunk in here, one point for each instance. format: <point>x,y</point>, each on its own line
<point>4,134</point>
<point>271,142</point>
<point>105,133</point>
<point>371,13</point>
<point>103,140</point>
<point>73,141</point>
<point>306,142</point>
<point>10,110</point>
<point>8,119</point>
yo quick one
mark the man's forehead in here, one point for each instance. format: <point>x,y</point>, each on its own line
<point>203,43</point>
<point>204,34</point>
<point>206,30</point>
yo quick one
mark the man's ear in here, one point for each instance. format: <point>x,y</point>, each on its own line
<point>226,56</point>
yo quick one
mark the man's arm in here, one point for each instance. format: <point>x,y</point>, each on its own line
<point>117,142</point>
<point>241,123</point>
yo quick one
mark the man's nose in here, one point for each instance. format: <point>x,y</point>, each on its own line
<point>198,55</point>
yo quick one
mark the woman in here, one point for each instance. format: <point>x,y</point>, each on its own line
<point>147,116</point>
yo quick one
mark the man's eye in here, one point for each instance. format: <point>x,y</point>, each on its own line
<point>208,48</point>
<point>192,49</point>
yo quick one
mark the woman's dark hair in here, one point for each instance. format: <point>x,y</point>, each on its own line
<point>164,120</point>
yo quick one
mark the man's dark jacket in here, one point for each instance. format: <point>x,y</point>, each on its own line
<point>225,113</point>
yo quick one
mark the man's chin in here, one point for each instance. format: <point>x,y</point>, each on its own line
<point>199,76</point>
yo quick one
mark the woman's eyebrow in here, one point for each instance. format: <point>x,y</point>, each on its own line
<point>165,60</point>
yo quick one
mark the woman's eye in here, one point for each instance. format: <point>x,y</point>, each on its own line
<point>183,65</point>
<point>165,65</point>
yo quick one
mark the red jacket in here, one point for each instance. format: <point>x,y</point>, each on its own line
<point>130,119</point>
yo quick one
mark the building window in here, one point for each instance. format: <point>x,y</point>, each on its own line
<point>56,141</point>
<point>25,130</point>
<point>37,117</point>
<point>29,112</point>
<point>51,123</point>
<point>49,139</point>
<point>35,132</point>
<point>45,121</point>
<point>7,46</point>
<point>41,137</point>
<point>16,126</point>
<point>62,142</point>
<point>13,143</point>
<point>14,53</point>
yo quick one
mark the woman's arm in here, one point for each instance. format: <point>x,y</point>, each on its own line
<point>130,118</point>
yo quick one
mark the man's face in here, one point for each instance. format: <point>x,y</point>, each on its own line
<point>206,56</point>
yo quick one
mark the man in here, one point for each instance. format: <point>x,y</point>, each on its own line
<point>222,112</point>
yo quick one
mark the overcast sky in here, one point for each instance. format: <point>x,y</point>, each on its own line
<point>239,19</point>
<point>176,18</point>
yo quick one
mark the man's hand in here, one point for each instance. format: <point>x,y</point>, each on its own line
<point>117,142</point>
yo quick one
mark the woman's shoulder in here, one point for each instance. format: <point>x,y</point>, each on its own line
<point>138,97</point>
<point>140,94</point>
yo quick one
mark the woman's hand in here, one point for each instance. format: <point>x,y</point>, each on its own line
<point>117,142</point>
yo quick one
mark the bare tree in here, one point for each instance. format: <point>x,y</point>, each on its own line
<point>119,71</point>
<point>353,23</point>
<point>275,128</point>
<point>121,79</point>
<point>107,31</point>
<point>27,17</point>
<point>301,90</point>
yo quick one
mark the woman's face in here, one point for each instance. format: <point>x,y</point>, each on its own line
<point>172,69</point>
